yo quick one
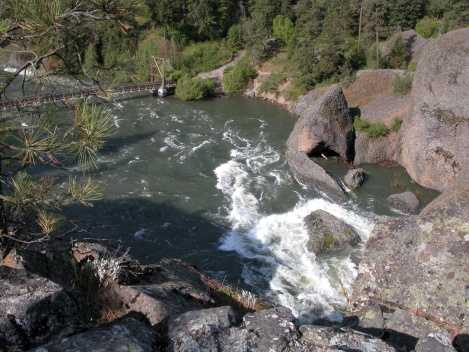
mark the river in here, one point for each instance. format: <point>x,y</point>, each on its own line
<point>208,182</point>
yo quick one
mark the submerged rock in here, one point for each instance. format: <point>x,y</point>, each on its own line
<point>406,202</point>
<point>354,178</point>
<point>328,232</point>
<point>416,270</point>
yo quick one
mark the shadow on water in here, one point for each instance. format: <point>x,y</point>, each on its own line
<point>153,231</point>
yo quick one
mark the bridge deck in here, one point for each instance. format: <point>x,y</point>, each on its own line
<point>82,93</point>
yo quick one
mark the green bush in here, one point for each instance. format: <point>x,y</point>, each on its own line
<point>396,124</point>
<point>236,80</point>
<point>371,129</point>
<point>200,57</point>
<point>398,57</point>
<point>235,38</point>
<point>271,83</point>
<point>402,84</point>
<point>428,28</point>
<point>194,88</point>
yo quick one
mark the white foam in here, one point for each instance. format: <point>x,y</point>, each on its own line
<point>297,278</point>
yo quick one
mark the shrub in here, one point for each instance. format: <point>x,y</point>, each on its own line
<point>428,28</point>
<point>200,57</point>
<point>371,129</point>
<point>271,83</point>
<point>236,80</point>
<point>235,38</point>
<point>194,88</point>
<point>402,84</point>
<point>396,124</point>
<point>398,57</point>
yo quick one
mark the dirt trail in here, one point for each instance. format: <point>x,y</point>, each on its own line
<point>218,73</point>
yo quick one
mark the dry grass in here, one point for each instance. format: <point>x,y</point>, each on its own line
<point>241,301</point>
<point>105,304</point>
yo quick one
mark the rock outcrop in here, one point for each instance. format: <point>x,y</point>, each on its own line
<point>125,336</point>
<point>412,279</point>
<point>34,310</point>
<point>328,232</point>
<point>354,178</point>
<point>406,202</point>
<point>324,124</point>
<point>434,138</point>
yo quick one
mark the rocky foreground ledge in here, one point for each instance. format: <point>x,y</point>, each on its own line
<point>411,293</point>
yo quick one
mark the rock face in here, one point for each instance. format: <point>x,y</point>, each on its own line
<point>310,173</point>
<point>458,192</point>
<point>328,232</point>
<point>171,288</point>
<point>406,202</point>
<point>354,178</point>
<point>126,336</point>
<point>412,279</point>
<point>434,137</point>
<point>324,124</point>
<point>35,310</point>
<point>375,150</point>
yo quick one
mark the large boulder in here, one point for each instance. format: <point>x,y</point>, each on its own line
<point>310,173</point>
<point>354,178</point>
<point>36,310</point>
<point>434,136</point>
<point>370,150</point>
<point>458,192</point>
<point>406,202</point>
<point>412,279</point>
<point>324,124</point>
<point>216,330</point>
<point>328,232</point>
<point>163,290</point>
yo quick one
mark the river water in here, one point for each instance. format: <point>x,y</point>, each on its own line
<point>208,182</point>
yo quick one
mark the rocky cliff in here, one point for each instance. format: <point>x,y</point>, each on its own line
<point>434,138</point>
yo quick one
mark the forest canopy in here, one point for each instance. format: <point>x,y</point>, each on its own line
<point>113,40</point>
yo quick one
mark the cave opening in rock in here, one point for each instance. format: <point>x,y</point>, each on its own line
<point>322,150</point>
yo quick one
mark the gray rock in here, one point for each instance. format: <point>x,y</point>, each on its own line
<point>170,288</point>
<point>434,135</point>
<point>201,330</point>
<point>36,310</point>
<point>214,330</point>
<point>324,123</point>
<point>435,343</point>
<point>328,339</point>
<point>412,269</point>
<point>406,202</point>
<point>270,330</point>
<point>354,178</point>
<point>457,192</point>
<point>328,232</point>
<point>129,335</point>
<point>310,173</point>
<point>375,150</point>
